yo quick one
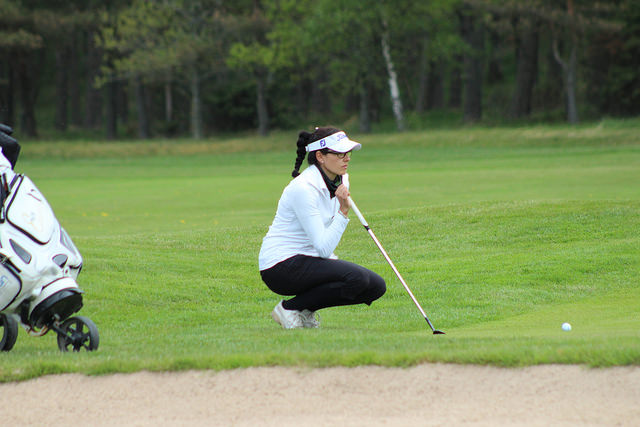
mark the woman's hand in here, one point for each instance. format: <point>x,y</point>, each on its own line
<point>342,193</point>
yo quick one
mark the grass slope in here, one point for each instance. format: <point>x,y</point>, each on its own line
<point>502,234</point>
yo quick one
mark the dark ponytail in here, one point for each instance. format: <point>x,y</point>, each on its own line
<point>303,140</point>
<point>306,138</point>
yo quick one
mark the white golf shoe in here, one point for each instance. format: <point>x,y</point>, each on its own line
<point>288,319</point>
<point>310,319</point>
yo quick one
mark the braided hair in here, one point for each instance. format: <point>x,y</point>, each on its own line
<point>306,138</point>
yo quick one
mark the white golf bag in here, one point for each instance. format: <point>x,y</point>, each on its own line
<point>39,265</point>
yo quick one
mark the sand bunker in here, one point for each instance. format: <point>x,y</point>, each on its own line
<point>425,395</point>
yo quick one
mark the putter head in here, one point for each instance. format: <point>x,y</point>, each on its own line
<point>437,332</point>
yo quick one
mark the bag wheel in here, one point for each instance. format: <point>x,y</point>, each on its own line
<point>9,328</point>
<point>77,333</point>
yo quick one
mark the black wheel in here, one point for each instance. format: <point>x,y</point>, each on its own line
<point>9,329</point>
<point>77,333</point>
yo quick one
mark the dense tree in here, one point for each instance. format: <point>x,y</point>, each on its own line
<point>253,53</point>
<point>527,36</point>
<point>372,44</point>
<point>33,32</point>
<point>59,25</point>
<point>350,55</point>
<point>569,62</point>
<point>612,62</point>
<point>264,63</point>
<point>184,40</point>
<point>473,33</point>
<point>21,46</point>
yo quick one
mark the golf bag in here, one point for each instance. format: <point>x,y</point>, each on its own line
<point>39,265</point>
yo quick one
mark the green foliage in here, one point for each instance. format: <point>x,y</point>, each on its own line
<point>252,53</point>
<point>344,41</point>
<point>502,234</point>
<point>615,54</point>
<point>26,26</point>
<point>20,39</point>
<point>16,30</point>
<point>288,38</point>
<point>154,38</point>
<point>315,58</point>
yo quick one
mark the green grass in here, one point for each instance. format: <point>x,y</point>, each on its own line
<point>503,234</point>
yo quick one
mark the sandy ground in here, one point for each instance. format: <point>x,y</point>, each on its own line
<point>426,395</point>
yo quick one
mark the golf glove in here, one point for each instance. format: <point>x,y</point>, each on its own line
<point>9,145</point>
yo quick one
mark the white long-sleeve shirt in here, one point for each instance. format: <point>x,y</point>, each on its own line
<point>307,221</point>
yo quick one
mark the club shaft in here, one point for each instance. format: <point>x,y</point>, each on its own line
<point>364,223</point>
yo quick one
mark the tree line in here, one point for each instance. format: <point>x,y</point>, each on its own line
<point>176,67</point>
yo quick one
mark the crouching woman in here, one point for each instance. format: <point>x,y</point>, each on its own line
<point>296,258</point>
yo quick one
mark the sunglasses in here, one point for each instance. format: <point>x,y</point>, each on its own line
<point>340,155</point>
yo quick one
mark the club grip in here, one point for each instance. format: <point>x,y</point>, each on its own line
<point>358,213</point>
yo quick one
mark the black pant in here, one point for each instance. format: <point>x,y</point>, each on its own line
<point>320,283</point>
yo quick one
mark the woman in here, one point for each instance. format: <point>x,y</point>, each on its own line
<point>296,258</point>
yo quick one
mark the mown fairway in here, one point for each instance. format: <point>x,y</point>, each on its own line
<point>502,234</point>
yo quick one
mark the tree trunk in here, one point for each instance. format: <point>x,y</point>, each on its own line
<point>62,89</point>
<point>11,104</point>
<point>569,80</point>
<point>170,127</point>
<point>141,105</point>
<point>196,105</point>
<point>319,101</point>
<point>473,35</point>
<point>111,122</point>
<point>423,70</point>
<point>396,102</point>
<point>572,106</point>
<point>455,84</point>
<point>569,67</point>
<point>73,83</point>
<point>168,101</point>
<point>7,113</point>
<point>261,105</point>
<point>123,103</point>
<point>495,74</point>
<point>301,96</point>
<point>435,87</point>
<point>93,97</point>
<point>364,116</point>
<point>526,69</point>
<point>28,95</point>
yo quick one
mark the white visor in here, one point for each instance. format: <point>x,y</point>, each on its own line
<point>338,142</point>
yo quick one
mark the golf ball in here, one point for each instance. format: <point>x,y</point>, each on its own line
<point>566,326</point>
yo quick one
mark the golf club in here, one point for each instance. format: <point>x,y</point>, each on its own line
<point>393,267</point>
